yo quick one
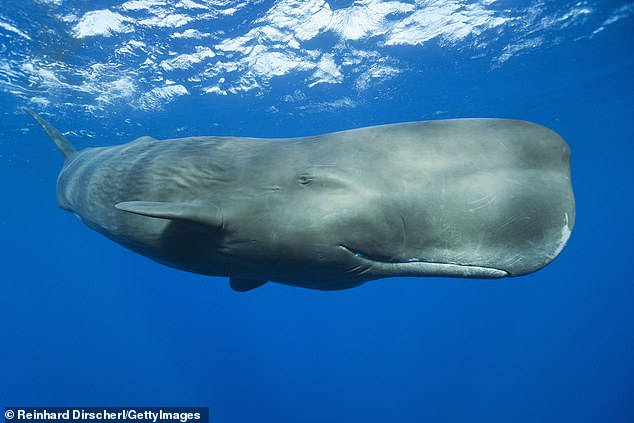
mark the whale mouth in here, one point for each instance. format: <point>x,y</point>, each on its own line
<point>383,259</point>
<point>421,267</point>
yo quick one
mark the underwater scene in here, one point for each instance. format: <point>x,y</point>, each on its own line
<point>319,210</point>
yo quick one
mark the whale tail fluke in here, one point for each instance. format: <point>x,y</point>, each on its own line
<point>64,146</point>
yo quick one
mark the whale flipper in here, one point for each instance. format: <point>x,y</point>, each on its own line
<point>243,285</point>
<point>60,140</point>
<point>205,215</point>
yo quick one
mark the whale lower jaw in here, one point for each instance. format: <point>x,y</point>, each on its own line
<point>420,267</point>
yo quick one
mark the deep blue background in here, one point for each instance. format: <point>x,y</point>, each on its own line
<point>86,322</point>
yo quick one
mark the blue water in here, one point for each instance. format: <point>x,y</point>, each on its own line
<point>85,322</point>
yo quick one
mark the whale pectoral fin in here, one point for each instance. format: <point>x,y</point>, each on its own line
<point>243,285</point>
<point>207,215</point>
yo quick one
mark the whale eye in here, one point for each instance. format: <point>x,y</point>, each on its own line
<point>305,179</point>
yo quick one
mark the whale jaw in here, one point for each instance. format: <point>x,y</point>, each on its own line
<point>419,267</point>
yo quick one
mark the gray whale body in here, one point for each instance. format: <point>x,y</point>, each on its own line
<point>471,198</point>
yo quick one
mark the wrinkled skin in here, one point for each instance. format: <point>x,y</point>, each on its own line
<point>480,198</point>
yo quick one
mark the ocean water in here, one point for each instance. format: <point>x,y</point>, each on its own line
<point>85,322</point>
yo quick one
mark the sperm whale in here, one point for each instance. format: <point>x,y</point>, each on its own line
<point>469,198</point>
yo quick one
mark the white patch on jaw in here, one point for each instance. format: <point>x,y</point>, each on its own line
<point>565,234</point>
